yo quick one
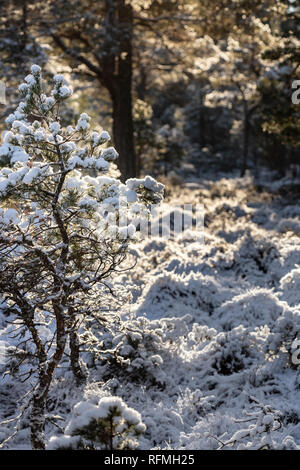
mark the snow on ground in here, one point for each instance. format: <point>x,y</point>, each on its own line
<point>206,343</point>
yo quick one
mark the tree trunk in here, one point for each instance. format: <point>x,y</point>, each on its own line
<point>75,357</point>
<point>24,26</point>
<point>37,415</point>
<point>37,422</point>
<point>123,133</point>
<point>115,74</point>
<point>117,77</point>
<point>46,371</point>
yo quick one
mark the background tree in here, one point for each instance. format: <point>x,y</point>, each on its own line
<point>279,114</point>
<point>99,41</point>
<point>19,46</point>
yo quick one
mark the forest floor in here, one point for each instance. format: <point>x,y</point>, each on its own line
<point>208,334</point>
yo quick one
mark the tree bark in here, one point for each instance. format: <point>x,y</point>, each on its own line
<point>46,371</point>
<point>121,94</point>
<point>114,72</point>
<point>76,365</point>
<point>123,134</point>
<point>37,415</point>
<point>116,76</point>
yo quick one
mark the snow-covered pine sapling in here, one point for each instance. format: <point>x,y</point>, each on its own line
<point>60,240</point>
<point>108,425</point>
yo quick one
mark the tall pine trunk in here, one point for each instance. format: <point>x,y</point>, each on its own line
<point>123,129</point>
<point>117,78</point>
<point>115,74</point>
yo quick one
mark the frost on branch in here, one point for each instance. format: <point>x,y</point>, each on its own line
<point>258,428</point>
<point>110,424</point>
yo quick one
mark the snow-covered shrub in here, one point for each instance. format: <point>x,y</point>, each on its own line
<point>226,209</point>
<point>254,308</point>
<point>258,434</point>
<point>289,225</point>
<point>141,350</point>
<point>234,351</point>
<point>285,330</point>
<point>288,443</point>
<point>290,287</point>
<point>195,292</point>
<point>199,334</point>
<point>259,426</point>
<point>134,354</point>
<point>195,404</point>
<point>289,254</point>
<point>109,424</point>
<point>255,257</point>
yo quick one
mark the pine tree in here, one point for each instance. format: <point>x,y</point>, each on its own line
<point>61,236</point>
<point>110,425</point>
<point>280,113</point>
